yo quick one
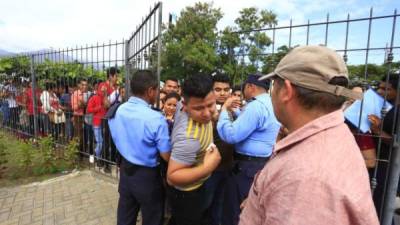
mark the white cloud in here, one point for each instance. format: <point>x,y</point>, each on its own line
<point>29,25</point>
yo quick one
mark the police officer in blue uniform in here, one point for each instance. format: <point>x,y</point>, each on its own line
<point>141,137</point>
<point>253,133</point>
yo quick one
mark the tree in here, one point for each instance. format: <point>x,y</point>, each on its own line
<point>228,41</point>
<point>253,41</point>
<point>190,45</point>
<point>272,60</point>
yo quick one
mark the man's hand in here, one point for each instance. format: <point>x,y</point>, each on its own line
<point>375,123</point>
<point>212,159</point>
<point>231,103</point>
<point>81,104</point>
<point>104,90</point>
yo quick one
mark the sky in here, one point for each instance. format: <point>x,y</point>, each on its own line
<point>27,25</point>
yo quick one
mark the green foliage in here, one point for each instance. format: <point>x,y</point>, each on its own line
<point>190,45</point>
<point>370,73</point>
<point>3,155</point>
<point>272,60</point>
<point>71,151</point>
<point>19,65</point>
<point>47,156</point>
<point>26,155</point>
<point>254,43</point>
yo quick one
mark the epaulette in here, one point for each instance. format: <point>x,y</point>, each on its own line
<point>156,109</point>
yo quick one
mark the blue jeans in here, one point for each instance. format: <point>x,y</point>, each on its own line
<point>6,112</point>
<point>99,140</point>
<point>69,128</point>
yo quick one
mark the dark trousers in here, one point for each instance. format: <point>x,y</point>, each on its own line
<point>79,130</point>
<point>31,126</point>
<point>187,207</point>
<point>140,188</point>
<point>378,195</point>
<point>14,118</point>
<point>237,188</point>
<point>88,138</point>
<point>215,187</point>
<point>110,150</point>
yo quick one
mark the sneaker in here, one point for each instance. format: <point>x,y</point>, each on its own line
<point>99,163</point>
<point>107,169</point>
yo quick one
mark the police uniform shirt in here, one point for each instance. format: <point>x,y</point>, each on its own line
<point>254,131</point>
<point>139,132</point>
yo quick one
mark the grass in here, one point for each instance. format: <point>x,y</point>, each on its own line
<point>25,161</point>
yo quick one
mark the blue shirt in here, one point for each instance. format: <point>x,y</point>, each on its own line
<point>139,132</point>
<point>254,131</point>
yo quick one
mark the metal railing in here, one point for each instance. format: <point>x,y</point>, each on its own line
<point>142,50</point>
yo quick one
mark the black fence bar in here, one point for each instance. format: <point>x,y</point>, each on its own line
<point>318,23</point>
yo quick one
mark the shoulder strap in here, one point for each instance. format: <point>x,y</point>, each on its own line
<point>112,111</point>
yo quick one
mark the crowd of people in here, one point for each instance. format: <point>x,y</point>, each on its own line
<point>274,150</point>
<point>65,109</point>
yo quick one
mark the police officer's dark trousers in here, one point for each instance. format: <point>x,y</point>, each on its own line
<point>140,188</point>
<point>238,185</point>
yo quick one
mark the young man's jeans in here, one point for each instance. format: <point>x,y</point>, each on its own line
<point>97,131</point>
<point>6,112</point>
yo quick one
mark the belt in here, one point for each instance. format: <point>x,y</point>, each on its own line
<point>242,157</point>
<point>130,168</point>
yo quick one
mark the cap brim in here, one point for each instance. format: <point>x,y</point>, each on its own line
<point>268,76</point>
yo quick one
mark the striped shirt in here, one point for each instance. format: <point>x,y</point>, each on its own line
<point>190,140</point>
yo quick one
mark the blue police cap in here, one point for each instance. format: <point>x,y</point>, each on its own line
<point>254,79</point>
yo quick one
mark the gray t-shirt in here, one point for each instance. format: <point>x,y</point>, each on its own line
<point>190,140</point>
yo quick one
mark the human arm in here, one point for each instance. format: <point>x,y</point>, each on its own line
<point>236,131</point>
<point>376,128</point>
<point>93,105</point>
<point>163,141</point>
<point>181,174</point>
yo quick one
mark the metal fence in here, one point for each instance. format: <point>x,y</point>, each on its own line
<point>54,89</point>
<point>374,45</point>
<point>59,73</point>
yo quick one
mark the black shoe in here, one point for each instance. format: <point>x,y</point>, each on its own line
<point>107,169</point>
<point>99,163</point>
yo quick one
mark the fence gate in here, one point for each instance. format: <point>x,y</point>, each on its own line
<point>143,48</point>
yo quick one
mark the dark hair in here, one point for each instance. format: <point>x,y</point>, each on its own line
<point>393,80</point>
<point>222,78</point>
<point>310,99</point>
<point>48,86</point>
<point>172,79</point>
<point>198,86</point>
<point>237,88</point>
<point>82,80</point>
<point>143,80</point>
<point>172,95</point>
<point>112,71</point>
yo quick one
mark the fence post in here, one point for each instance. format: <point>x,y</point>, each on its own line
<point>159,40</point>
<point>35,112</point>
<point>127,71</point>
<point>389,204</point>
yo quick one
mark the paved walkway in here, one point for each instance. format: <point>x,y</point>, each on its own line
<point>77,198</point>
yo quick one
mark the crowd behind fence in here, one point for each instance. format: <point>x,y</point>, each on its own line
<point>65,94</point>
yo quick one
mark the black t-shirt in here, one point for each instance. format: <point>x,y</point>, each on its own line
<point>389,127</point>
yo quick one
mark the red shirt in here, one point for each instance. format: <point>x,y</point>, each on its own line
<point>364,141</point>
<point>109,88</point>
<point>29,101</point>
<point>96,107</point>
